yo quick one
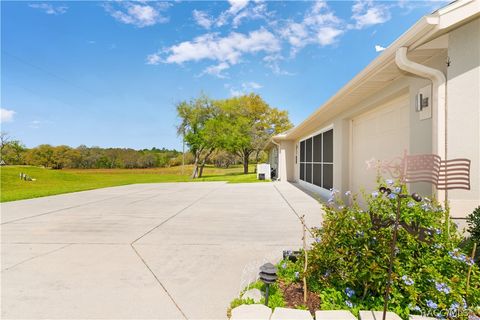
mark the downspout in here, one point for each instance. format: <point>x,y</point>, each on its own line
<point>439,104</point>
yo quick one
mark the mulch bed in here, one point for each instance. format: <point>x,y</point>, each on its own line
<point>293,295</point>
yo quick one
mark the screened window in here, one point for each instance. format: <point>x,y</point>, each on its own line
<point>316,160</point>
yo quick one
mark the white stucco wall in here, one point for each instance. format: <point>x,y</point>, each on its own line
<point>286,158</point>
<point>463,99</point>
<point>463,120</point>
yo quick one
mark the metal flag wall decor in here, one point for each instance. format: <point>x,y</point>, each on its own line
<point>430,168</point>
<point>443,174</point>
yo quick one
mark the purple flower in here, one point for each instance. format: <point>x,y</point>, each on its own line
<point>411,204</point>
<point>425,206</point>
<point>284,265</point>
<point>392,196</point>
<point>398,189</point>
<point>431,304</point>
<point>442,287</point>
<point>456,255</point>
<point>389,182</point>
<point>407,281</point>
<point>375,194</point>
<point>455,306</point>
<point>349,292</point>
<point>416,308</point>
<point>318,240</point>
<point>297,274</point>
<point>333,192</point>
<point>349,303</point>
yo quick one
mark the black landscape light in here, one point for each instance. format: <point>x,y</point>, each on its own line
<point>268,275</point>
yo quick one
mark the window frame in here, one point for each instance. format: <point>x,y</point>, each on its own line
<point>313,163</point>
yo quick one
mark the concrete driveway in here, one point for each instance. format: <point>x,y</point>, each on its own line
<point>147,251</point>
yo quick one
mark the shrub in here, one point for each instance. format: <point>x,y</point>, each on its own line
<point>348,262</point>
<point>473,221</point>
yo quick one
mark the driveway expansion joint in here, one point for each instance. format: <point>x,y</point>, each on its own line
<point>132,244</point>
<point>35,257</point>
<point>71,207</point>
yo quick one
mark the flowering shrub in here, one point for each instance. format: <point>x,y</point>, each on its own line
<point>473,221</point>
<point>349,260</point>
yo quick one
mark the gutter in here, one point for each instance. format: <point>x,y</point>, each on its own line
<point>439,103</point>
<point>424,27</point>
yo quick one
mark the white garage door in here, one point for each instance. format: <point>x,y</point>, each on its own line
<point>382,134</point>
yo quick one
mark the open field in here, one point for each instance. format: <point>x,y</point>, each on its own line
<point>50,182</point>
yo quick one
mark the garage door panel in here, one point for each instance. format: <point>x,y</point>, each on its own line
<point>383,134</point>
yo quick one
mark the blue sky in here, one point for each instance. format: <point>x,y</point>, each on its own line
<point>110,73</point>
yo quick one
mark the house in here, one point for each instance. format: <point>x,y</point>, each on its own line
<point>421,96</point>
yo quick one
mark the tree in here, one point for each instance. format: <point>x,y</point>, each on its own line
<point>198,127</point>
<point>14,152</point>
<point>43,155</point>
<point>4,141</point>
<point>253,123</point>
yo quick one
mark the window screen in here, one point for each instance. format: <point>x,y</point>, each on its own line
<point>308,148</point>
<point>308,172</point>
<point>316,160</point>
<point>328,146</point>
<point>317,148</point>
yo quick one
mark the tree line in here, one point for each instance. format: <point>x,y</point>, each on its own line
<point>13,152</point>
<point>222,132</point>
<point>240,126</point>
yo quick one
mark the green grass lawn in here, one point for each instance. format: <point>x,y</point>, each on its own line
<point>50,182</point>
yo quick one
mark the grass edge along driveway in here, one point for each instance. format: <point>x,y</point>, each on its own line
<point>51,182</point>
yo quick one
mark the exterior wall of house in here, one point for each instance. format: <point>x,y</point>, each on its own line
<point>463,99</point>
<point>286,158</point>
<point>463,127</point>
<point>420,134</point>
<point>273,159</point>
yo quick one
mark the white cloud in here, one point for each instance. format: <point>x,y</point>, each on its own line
<point>202,19</point>
<point>379,48</point>
<point>217,70</point>
<point>367,13</point>
<point>319,26</point>
<point>49,8</point>
<point>272,61</point>
<point>246,87</point>
<point>227,49</point>
<point>154,58</point>
<point>328,35</point>
<point>252,85</point>
<point>35,124</point>
<point>6,115</point>
<point>258,11</point>
<point>242,10</point>
<point>237,5</point>
<point>140,14</point>
<point>235,93</point>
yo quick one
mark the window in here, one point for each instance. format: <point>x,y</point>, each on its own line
<point>316,160</point>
